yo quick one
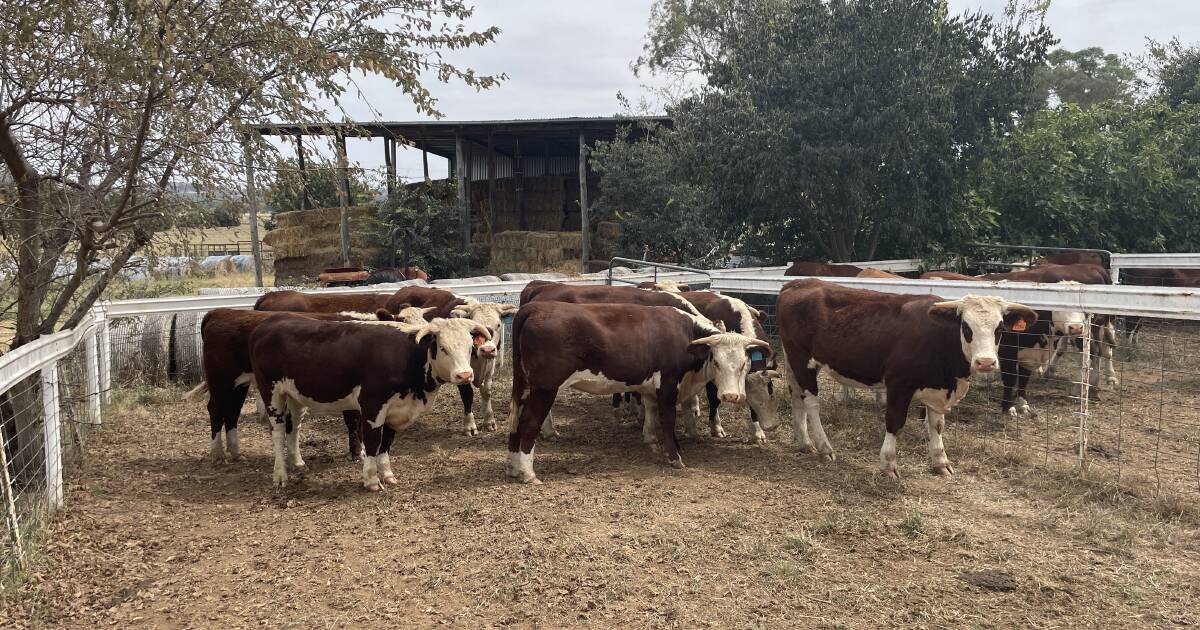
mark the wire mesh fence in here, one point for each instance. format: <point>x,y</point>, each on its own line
<point>1130,409</point>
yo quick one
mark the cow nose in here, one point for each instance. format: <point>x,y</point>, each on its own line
<point>985,365</point>
<point>733,398</point>
<point>488,351</point>
<point>1075,329</point>
<point>463,377</point>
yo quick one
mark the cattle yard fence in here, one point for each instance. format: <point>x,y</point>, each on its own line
<point>1146,429</point>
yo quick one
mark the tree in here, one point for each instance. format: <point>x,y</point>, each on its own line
<point>283,195</point>
<point>103,104</point>
<point>1085,77</point>
<point>427,225</point>
<point>1113,176</point>
<point>1177,69</point>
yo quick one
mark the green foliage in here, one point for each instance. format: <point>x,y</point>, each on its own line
<point>283,194</point>
<point>1085,77</point>
<point>197,214</point>
<point>843,129</point>
<point>1113,176</point>
<point>645,186</point>
<point>430,230</point>
<point>1177,69</point>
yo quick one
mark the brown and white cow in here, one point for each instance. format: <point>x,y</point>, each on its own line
<point>662,353</point>
<point>832,270</point>
<point>299,302</point>
<point>917,347</point>
<point>1081,273</point>
<point>387,372</point>
<point>1072,258</point>
<point>871,272</point>
<point>737,317</point>
<point>225,363</point>
<point>543,290</point>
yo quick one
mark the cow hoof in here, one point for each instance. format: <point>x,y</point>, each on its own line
<point>489,424</point>
<point>391,481</point>
<point>280,481</point>
<point>719,432</point>
<point>945,470</point>
<point>1113,381</point>
<point>355,457</point>
<point>373,487</point>
<point>1012,411</point>
<point>828,457</point>
<point>759,438</point>
<point>892,473</point>
<point>531,480</point>
<point>804,446</point>
<point>676,463</point>
<point>233,457</point>
<point>471,431</point>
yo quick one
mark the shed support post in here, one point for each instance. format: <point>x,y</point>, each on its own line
<point>252,204</point>
<point>491,164</point>
<point>344,196</point>
<point>389,159</point>
<point>303,171</point>
<point>460,175</point>
<point>424,158</point>
<point>583,205</point>
<point>51,426</point>
<point>519,182</point>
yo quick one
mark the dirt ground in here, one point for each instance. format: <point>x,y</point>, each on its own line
<point>747,536</point>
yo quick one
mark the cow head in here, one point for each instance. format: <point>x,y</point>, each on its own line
<point>491,316</point>
<point>727,361</point>
<point>1068,323</point>
<point>414,314</point>
<point>450,343</point>
<point>760,396</point>
<point>980,320</point>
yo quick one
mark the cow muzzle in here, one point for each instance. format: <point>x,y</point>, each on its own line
<point>1075,330</point>
<point>464,377</point>
<point>487,351</point>
<point>733,397</point>
<point>985,365</point>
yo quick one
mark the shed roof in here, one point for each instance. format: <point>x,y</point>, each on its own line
<point>536,136</point>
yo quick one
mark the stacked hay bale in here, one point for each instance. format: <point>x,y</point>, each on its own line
<point>308,241</point>
<point>533,252</point>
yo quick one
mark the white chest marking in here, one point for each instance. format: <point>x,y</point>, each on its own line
<point>597,383</point>
<point>941,400</point>
<point>400,411</point>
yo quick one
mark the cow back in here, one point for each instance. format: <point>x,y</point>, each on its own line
<point>1081,273</point>
<point>425,297</point>
<point>296,301</point>
<point>823,269</point>
<point>605,294</point>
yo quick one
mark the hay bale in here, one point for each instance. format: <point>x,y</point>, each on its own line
<point>185,348</point>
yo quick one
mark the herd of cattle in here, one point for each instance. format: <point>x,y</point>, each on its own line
<point>380,359</point>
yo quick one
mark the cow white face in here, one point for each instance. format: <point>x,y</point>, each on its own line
<point>760,395</point>
<point>451,342</point>
<point>414,315</point>
<point>727,361</point>
<point>490,315</point>
<point>1068,323</point>
<point>980,320</point>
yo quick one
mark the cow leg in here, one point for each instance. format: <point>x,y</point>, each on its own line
<point>650,421</point>
<point>665,400</point>
<point>467,393</point>
<point>353,434</point>
<point>1060,346</point>
<point>618,412</point>
<point>714,418</point>
<point>216,422</point>
<point>935,423</point>
<point>1022,381</point>
<point>485,399</point>
<point>880,396</point>
<point>548,427</point>
<point>799,419</point>
<point>371,423</point>
<point>233,412</point>
<point>897,413</point>
<point>691,417</point>
<point>846,394</point>
<point>1108,343</point>
<point>1009,377</point>
<point>383,461</point>
<point>532,410</point>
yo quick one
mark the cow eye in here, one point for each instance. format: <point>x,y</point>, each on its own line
<point>966,332</point>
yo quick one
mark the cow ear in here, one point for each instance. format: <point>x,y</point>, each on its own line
<point>945,313</point>
<point>507,309</point>
<point>1019,317</point>
<point>699,350</point>
<point>384,315</point>
<point>459,311</point>
<point>759,314</point>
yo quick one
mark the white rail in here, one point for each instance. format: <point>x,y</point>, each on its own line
<point>1165,302</point>
<point>1152,261</point>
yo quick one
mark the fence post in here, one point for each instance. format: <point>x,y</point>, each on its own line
<point>1085,385</point>
<point>105,340</point>
<point>92,377</point>
<point>10,508</point>
<point>53,443</point>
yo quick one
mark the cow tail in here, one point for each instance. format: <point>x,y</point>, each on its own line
<point>196,392</point>
<point>518,379</point>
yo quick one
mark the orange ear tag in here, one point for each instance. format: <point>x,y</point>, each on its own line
<point>1020,325</point>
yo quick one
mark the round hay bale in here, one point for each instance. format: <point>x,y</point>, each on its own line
<point>155,348</point>
<point>125,334</point>
<point>185,348</point>
<point>532,276</point>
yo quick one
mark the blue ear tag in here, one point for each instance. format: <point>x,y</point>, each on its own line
<point>507,319</point>
<point>758,359</point>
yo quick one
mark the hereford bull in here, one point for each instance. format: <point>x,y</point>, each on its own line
<point>737,317</point>
<point>823,269</point>
<point>386,372</point>
<point>225,363</point>
<point>916,347</point>
<point>299,302</point>
<point>662,353</point>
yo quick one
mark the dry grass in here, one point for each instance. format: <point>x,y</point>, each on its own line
<point>744,537</point>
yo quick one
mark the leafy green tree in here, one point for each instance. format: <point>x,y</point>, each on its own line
<point>283,195</point>
<point>1113,176</point>
<point>1177,70</point>
<point>103,103</point>
<point>832,128</point>
<point>428,230</point>
<point>1086,77</point>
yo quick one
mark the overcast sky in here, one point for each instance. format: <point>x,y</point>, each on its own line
<point>572,57</point>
